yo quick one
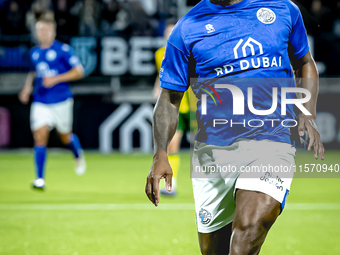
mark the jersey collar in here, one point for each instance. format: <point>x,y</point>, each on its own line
<point>227,8</point>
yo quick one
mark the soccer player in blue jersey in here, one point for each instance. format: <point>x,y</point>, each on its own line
<point>237,47</point>
<point>53,65</point>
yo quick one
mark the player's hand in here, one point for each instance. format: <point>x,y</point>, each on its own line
<point>308,123</point>
<point>160,169</point>
<point>49,82</point>
<point>24,95</point>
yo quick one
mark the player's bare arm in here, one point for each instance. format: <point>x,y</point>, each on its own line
<point>165,120</point>
<point>156,88</point>
<point>305,68</point>
<point>74,74</point>
<point>24,95</point>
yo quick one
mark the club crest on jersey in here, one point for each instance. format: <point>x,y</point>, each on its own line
<point>204,216</point>
<point>266,16</point>
<point>51,55</point>
<point>210,28</point>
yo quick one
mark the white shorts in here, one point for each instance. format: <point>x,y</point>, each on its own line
<point>59,115</point>
<point>263,166</point>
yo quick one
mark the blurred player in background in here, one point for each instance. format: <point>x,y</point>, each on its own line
<point>53,65</point>
<point>184,118</point>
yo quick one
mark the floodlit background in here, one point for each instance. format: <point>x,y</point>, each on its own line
<point>106,211</point>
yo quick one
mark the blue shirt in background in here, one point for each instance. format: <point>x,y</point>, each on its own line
<point>57,59</point>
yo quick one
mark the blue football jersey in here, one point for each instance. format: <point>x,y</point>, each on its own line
<point>57,59</point>
<point>247,45</point>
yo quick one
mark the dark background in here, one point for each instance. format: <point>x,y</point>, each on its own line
<point>95,96</point>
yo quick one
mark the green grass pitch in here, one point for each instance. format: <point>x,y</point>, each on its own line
<point>106,211</point>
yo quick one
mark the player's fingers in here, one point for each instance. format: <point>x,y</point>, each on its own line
<point>301,127</point>
<point>168,182</point>
<point>321,151</point>
<point>316,150</point>
<point>311,141</point>
<point>148,190</point>
<point>155,190</point>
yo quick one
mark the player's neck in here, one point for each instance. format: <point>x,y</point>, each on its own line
<point>46,45</point>
<point>225,2</point>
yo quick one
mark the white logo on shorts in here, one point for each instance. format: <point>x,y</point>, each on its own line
<point>204,216</point>
<point>266,16</point>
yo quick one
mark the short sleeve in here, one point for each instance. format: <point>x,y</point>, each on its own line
<point>298,40</point>
<point>174,73</point>
<point>69,57</point>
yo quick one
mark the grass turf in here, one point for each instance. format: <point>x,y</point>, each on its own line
<point>54,228</point>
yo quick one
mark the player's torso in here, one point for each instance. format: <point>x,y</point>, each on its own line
<point>49,62</point>
<point>249,41</point>
<point>247,47</point>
